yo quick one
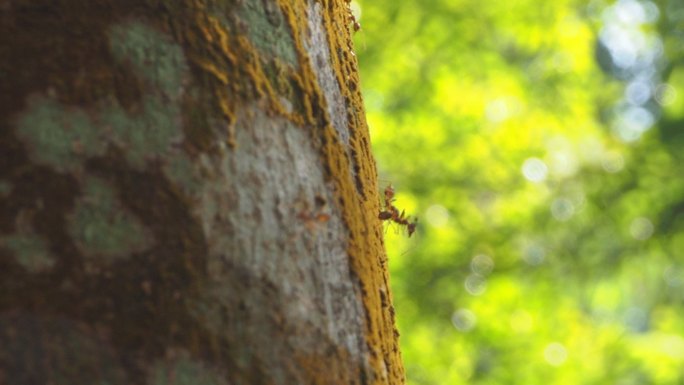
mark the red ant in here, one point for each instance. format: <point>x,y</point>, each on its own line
<point>392,213</point>
<point>411,227</point>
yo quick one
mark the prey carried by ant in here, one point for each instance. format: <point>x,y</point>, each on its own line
<point>312,218</point>
<point>391,213</point>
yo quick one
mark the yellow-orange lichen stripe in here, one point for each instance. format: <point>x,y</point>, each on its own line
<point>360,203</point>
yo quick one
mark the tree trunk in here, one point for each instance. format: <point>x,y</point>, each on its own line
<point>187,196</point>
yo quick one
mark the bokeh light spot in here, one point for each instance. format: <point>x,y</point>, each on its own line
<point>629,12</point>
<point>482,264</point>
<point>632,123</point>
<point>641,228</point>
<point>535,170</point>
<point>638,92</point>
<point>636,319</point>
<point>437,215</point>
<point>497,111</point>
<point>562,209</point>
<point>534,255</point>
<point>475,284</point>
<point>613,162</point>
<point>555,354</point>
<point>665,94</point>
<point>563,163</point>
<point>464,320</point>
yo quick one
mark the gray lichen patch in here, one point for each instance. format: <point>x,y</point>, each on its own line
<point>268,30</point>
<point>153,55</point>
<point>101,227</point>
<point>184,371</point>
<point>57,135</point>
<point>30,251</point>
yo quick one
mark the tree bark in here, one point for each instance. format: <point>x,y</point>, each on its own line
<point>187,196</point>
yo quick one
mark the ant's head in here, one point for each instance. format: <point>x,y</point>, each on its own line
<point>411,227</point>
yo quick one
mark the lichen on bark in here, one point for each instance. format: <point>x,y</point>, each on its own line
<point>190,195</point>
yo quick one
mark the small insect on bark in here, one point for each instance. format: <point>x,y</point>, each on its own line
<point>355,23</point>
<point>391,213</point>
<point>313,218</point>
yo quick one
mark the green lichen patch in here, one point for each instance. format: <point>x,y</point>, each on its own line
<point>184,371</point>
<point>5,188</point>
<point>147,134</point>
<point>58,136</point>
<point>153,55</point>
<point>268,30</point>
<point>158,60</point>
<point>180,170</point>
<point>63,137</point>
<point>101,227</point>
<point>30,251</point>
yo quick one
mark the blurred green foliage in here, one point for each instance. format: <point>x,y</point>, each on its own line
<point>541,145</point>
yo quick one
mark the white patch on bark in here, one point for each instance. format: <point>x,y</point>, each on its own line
<point>318,49</point>
<point>266,225</point>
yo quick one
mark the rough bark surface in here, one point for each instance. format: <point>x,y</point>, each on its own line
<point>187,196</point>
